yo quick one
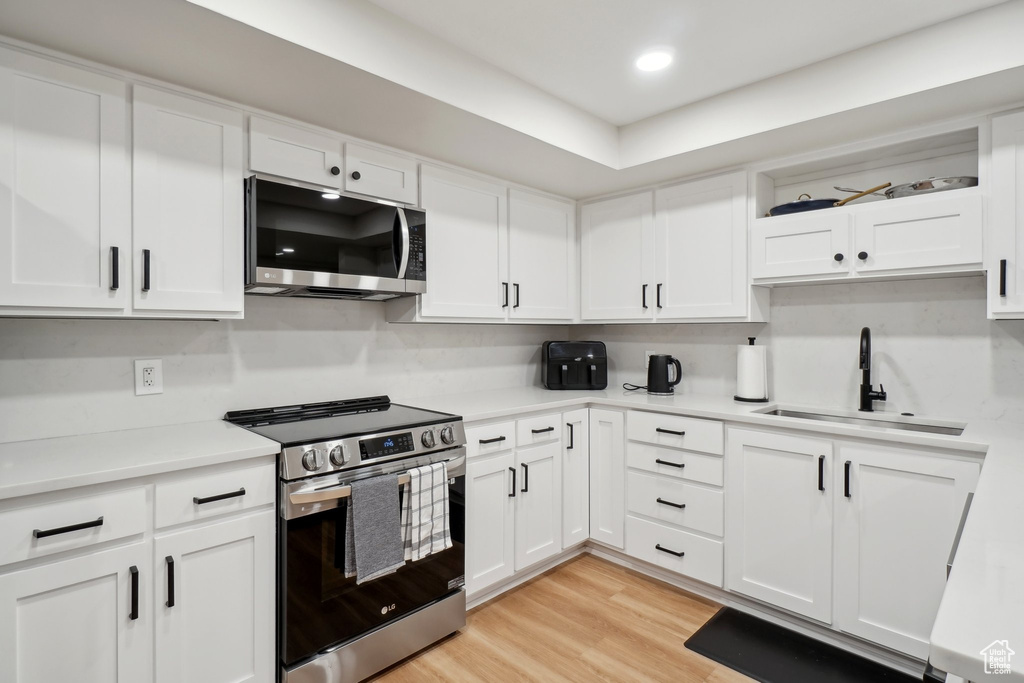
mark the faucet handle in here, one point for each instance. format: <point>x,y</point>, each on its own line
<point>881,391</point>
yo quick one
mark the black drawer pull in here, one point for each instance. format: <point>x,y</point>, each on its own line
<point>515,286</point>
<point>666,550</point>
<point>572,437</point>
<point>494,440</point>
<point>526,478</point>
<point>222,496</point>
<point>170,581</point>
<point>134,613</point>
<point>821,472</point>
<point>659,295</point>
<point>513,471</point>
<point>669,431</point>
<point>543,431</point>
<point>115,269</point>
<point>680,465</point>
<point>40,533</point>
<point>504,288</point>
<point>643,296</point>
<point>145,269</point>
<point>846,479</point>
<point>1002,277</point>
<point>669,502</point>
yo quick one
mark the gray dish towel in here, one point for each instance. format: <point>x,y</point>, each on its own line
<point>373,531</point>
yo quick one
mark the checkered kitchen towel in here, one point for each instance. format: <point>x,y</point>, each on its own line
<point>425,525</point>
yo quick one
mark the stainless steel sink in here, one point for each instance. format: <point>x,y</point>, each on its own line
<point>880,421</point>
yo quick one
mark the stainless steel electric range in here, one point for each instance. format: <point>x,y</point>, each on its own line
<point>331,630</point>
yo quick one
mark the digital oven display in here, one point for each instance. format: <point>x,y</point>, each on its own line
<point>386,445</point>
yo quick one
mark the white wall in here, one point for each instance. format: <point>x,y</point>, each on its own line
<point>60,377</point>
<point>933,348</point>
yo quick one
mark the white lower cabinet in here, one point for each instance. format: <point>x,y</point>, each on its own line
<point>895,523</point>
<point>674,549</point>
<point>538,503</point>
<point>214,611</point>
<point>78,619</point>
<point>779,521</point>
<point>490,522</point>
<point>607,477</point>
<point>576,477</point>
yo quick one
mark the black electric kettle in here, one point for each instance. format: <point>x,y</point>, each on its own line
<point>657,374</point>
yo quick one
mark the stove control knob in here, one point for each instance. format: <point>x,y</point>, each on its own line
<point>312,460</point>
<point>428,439</point>
<point>339,458</point>
<point>448,435</point>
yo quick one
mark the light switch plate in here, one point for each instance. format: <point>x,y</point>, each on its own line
<point>149,377</point>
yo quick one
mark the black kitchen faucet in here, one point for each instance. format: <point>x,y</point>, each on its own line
<point>868,395</point>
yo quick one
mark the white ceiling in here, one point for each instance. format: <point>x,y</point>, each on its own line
<point>582,51</point>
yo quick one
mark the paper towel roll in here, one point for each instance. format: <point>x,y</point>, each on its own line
<point>752,373</point>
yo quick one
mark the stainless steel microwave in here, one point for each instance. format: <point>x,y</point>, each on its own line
<point>305,241</point>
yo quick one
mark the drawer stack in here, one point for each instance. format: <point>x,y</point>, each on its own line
<point>674,500</point>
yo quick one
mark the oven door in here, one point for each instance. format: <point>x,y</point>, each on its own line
<point>319,608</point>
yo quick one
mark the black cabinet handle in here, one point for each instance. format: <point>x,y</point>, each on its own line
<point>658,295</point>
<point>543,431</point>
<point>821,472</point>
<point>134,614</point>
<point>846,480</point>
<point>356,175</point>
<point>145,270</point>
<point>513,471</point>
<point>170,581</point>
<point>657,546</point>
<point>1002,277</point>
<point>572,436</point>
<point>221,496</point>
<point>643,296</point>
<point>669,502</point>
<point>680,465</point>
<point>515,285</point>
<point>669,431</point>
<point>504,287</point>
<point>115,269</point>
<point>839,258</point>
<point>526,479</point>
<point>40,533</point>
<point>494,440</point>
<point>335,170</point>
<point>863,256</point>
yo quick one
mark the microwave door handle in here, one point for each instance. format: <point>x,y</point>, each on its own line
<point>403,223</point>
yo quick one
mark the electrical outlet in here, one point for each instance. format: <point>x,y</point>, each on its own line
<point>647,359</point>
<point>149,377</point>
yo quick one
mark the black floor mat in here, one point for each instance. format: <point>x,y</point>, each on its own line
<point>773,654</point>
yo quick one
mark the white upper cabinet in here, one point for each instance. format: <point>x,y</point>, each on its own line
<point>187,199</point>
<point>290,152</point>
<point>808,244</point>
<point>380,174</point>
<point>467,246</point>
<point>617,258</point>
<point>1005,258</point>
<point>542,256</point>
<point>65,223</point>
<point>700,257</point>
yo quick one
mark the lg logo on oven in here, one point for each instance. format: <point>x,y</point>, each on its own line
<point>387,608</point>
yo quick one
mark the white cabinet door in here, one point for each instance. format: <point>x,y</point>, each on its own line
<point>700,258</point>
<point>607,477</point>
<point>617,259</point>
<point>779,521</point>
<point>290,152</point>
<point>1005,224</point>
<point>380,174</point>
<point>72,620</point>
<point>576,477</point>
<point>810,244</point>
<point>895,525</point>
<point>187,203</point>
<point>538,503</point>
<point>219,628</point>
<point>490,521</point>
<point>542,256</point>
<point>65,228</point>
<point>467,246</point>
<point>935,231</point>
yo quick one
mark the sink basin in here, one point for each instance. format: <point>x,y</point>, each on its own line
<point>878,421</point>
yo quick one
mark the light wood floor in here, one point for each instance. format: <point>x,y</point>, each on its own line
<point>586,620</point>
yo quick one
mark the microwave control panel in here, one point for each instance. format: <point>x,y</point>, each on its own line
<point>417,268</point>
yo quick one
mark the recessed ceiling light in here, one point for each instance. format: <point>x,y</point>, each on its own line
<point>330,195</point>
<point>287,250</point>
<point>655,60</point>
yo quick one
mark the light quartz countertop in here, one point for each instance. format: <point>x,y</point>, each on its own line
<point>43,465</point>
<point>984,597</point>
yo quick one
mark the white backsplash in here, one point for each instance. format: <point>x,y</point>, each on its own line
<point>933,349</point>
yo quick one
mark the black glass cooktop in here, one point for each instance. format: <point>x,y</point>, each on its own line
<point>314,422</point>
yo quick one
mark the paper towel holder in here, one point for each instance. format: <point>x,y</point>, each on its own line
<point>743,399</point>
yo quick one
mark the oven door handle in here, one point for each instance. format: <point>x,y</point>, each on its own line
<point>304,497</point>
<point>403,264</point>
